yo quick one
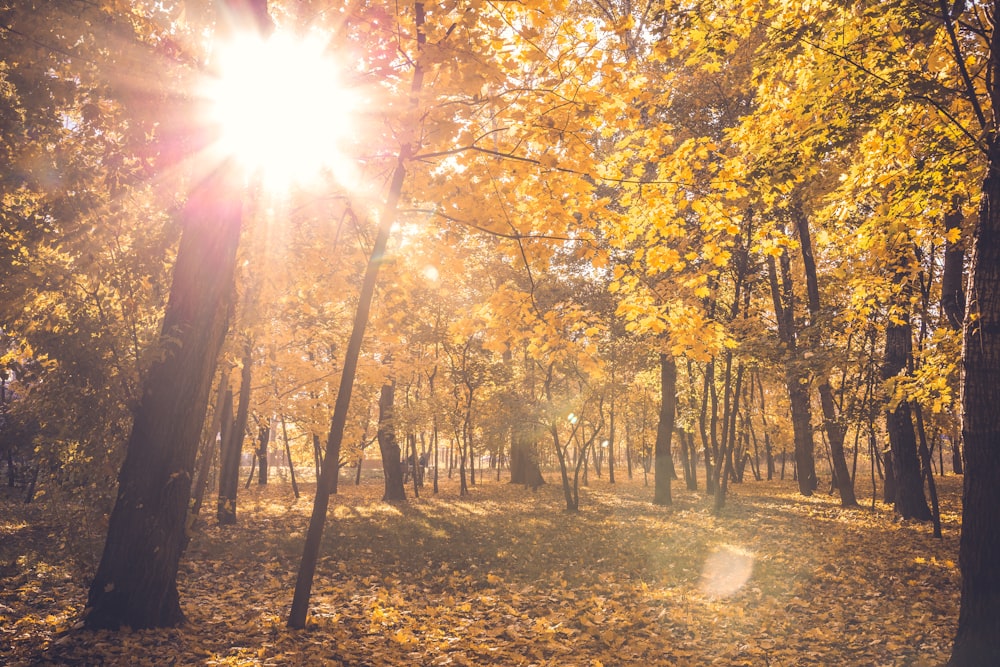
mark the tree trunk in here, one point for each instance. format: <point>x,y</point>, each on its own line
<point>288,456</point>
<point>835,430</point>
<point>796,378</point>
<point>703,429</point>
<point>524,460</point>
<point>978,639</point>
<point>952,288</point>
<point>209,449</point>
<point>135,584</point>
<point>263,439</point>
<point>664,430</point>
<point>909,497</point>
<point>232,453</point>
<point>388,446</point>
<point>611,440</point>
<point>953,305</point>
<point>338,422</point>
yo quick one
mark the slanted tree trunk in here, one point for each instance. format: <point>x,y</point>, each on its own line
<point>664,430</point>
<point>288,457</point>
<point>135,583</point>
<point>338,422</point>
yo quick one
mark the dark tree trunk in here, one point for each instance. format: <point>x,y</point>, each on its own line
<point>835,430</point>
<point>729,431</point>
<point>288,457</point>
<point>263,438</point>
<point>703,429</point>
<point>796,379</point>
<point>925,461</point>
<point>909,499</point>
<point>232,453</point>
<point>338,422</point>
<point>524,460</point>
<point>318,458</point>
<point>388,445</point>
<point>135,584</point>
<point>953,304</point>
<point>209,450</point>
<point>952,287</point>
<point>978,639</point>
<point>611,441</point>
<point>687,465</point>
<point>664,464</point>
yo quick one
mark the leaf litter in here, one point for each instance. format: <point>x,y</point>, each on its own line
<point>505,576</point>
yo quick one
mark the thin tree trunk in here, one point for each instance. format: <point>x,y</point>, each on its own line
<point>263,439</point>
<point>288,456</point>
<point>310,554</point>
<point>209,449</point>
<point>796,378</point>
<point>229,475</point>
<point>909,497</point>
<point>703,430</point>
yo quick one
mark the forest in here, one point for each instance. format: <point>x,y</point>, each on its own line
<point>521,332</point>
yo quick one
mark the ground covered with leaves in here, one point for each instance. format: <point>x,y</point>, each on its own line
<point>505,576</point>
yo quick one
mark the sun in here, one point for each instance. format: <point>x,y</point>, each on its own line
<point>281,109</point>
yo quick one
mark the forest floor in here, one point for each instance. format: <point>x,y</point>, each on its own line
<point>506,577</point>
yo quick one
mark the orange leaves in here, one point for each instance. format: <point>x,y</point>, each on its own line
<point>619,583</point>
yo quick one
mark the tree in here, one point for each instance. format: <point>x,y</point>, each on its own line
<point>135,583</point>
<point>665,429</point>
<point>977,641</point>
<point>388,444</point>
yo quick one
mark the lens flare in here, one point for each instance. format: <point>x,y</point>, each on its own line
<point>726,571</point>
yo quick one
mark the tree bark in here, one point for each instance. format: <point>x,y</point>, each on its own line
<point>953,305</point>
<point>977,641</point>
<point>288,456</point>
<point>909,497</point>
<point>232,452</point>
<point>209,450</point>
<point>524,459</point>
<point>135,583</point>
<point>389,446</point>
<point>338,422</point>
<point>796,379</point>
<point>263,438</point>
<point>664,466</point>
<point>952,289</point>
<point>835,431</point>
